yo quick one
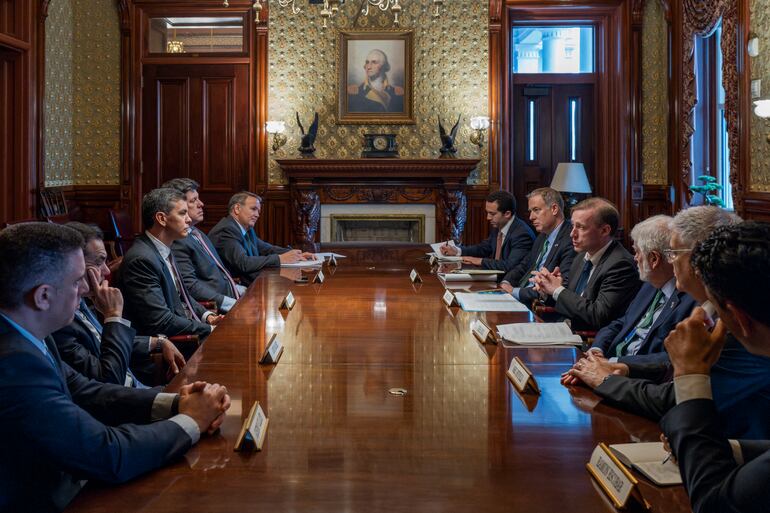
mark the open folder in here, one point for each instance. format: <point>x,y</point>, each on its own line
<point>648,459</point>
<point>539,334</point>
<point>486,302</point>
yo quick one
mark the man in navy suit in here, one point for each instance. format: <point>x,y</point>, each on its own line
<point>552,248</point>
<point>603,278</point>
<point>203,273</point>
<point>58,428</point>
<point>156,299</point>
<point>509,241</point>
<point>108,351</point>
<point>637,336</point>
<point>721,475</point>
<point>243,253</point>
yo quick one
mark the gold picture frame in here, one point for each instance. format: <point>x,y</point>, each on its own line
<point>375,77</point>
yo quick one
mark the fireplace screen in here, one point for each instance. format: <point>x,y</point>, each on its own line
<point>390,228</point>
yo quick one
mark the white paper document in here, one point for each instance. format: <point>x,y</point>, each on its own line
<point>648,459</point>
<point>321,256</point>
<point>455,277</point>
<point>305,263</point>
<point>486,302</point>
<point>436,247</point>
<point>539,333</point>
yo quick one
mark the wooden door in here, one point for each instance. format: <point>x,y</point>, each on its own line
<point>12,172</point>
<point>552,123</point>
<point>196,125</point>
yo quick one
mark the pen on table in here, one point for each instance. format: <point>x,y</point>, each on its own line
<point>666,460</point>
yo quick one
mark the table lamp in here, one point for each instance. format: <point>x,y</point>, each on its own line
<point>570,178</point>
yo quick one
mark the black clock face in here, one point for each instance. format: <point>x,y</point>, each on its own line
<point>380,143</point>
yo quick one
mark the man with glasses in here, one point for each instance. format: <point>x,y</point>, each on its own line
<point>740,380</point>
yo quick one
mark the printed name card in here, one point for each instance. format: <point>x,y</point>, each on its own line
<point>483,332</point>
<point>288,302</point>
<point>614,478</point>
<point>449,298</point>
<point>253,431</point>
<point>433,260</point>
<point>273,351</point>
<point>521,377</point>
<point>332,261</point>
<point>415,277</point>
<point>319,277</point>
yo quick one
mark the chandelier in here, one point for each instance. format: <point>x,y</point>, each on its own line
<point>329,8</point>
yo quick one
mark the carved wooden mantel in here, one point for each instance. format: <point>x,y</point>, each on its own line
<point>437,181</point>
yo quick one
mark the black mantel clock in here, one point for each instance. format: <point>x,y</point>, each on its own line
<point>380,146</point>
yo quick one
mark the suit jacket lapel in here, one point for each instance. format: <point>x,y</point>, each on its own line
<point>554,249</point>
<point>170,289</point>
<point>668,309</point>
<point>597,268</point>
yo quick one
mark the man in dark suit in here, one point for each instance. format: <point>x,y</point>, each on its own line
<point>552,248</point>
<point>57,427</point>
<point>243,253</point>
<point>104,351</point>
<point>509,241</point>
<point>203,273</point>
<point>156,299</point>
<point>603,277</point>
<point>720,475</point>
<point>638,335</point>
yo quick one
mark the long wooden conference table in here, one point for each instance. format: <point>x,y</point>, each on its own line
<point>461,439</point>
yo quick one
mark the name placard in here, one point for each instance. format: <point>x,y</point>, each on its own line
<point>614,478</point>
<point>273,351</point>
<point>483,332</point>
<point>253,431</point>
<point>332,261</point>
<point>288,302</point>
<point>415,277</point>
<point>433,260</point>
<point>319,277</point>
<point>449,298</point>
<point>521,377</point>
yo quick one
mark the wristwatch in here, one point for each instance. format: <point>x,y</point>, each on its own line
<point>159,346</point>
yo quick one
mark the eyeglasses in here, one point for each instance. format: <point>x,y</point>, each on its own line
<point>672,254</point>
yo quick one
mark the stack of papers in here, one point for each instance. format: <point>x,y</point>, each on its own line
<point>538,333</point>
<point>489,302</point>
<point>455,277</point>
<point>323,256</point>
<point>436,247</point>
<point>305,263</point>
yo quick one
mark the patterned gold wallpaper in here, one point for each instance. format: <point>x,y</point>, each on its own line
<point>760,68</point>
<point>450,78</point>
<point>654,95</point>
<point>58,94</point>
<point>82,108</point>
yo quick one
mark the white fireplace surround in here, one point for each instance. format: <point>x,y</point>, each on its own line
<point>429,211</point>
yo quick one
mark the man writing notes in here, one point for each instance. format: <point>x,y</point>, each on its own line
<point>203,272</point>
<point>157,301</point>
<point>552,248</point>
<point>58,428</point>
<point>105,351</point>
<point>603,278</point>
<point>509,241</point>
<point>243,253</point>
<point>720,475</point>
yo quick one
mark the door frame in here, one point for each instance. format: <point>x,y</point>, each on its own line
<point>616,80</point>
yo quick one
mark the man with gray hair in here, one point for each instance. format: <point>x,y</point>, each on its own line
<point>243,253</point>
<point>156,299</point>
<point>740,381</point>
<point>638,335</point>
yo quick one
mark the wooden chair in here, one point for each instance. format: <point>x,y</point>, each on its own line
<point>122,231</point>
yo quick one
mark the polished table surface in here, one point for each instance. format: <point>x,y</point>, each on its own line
<point>461,439</point>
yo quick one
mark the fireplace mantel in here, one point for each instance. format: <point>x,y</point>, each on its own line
<point>437,181</point>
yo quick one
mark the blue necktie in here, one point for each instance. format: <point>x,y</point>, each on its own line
<point>89,315</point>
<point>580,286</point>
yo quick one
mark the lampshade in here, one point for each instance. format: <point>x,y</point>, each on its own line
<point>571,177</point>
<point>480,123</point>
<point>275,127</point>
<point>762,108</point>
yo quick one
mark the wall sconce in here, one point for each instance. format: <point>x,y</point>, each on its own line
<point>753,45</point>
<point>762,110</point>
<point>479,124</point>
<point>276,128</point>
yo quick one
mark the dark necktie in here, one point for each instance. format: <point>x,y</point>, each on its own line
<point>197,236</point>
<point>538,263</point>
<point>247,243</point>
<point>646,321</point>
<point>182,292</point>
<point>580,286</point>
